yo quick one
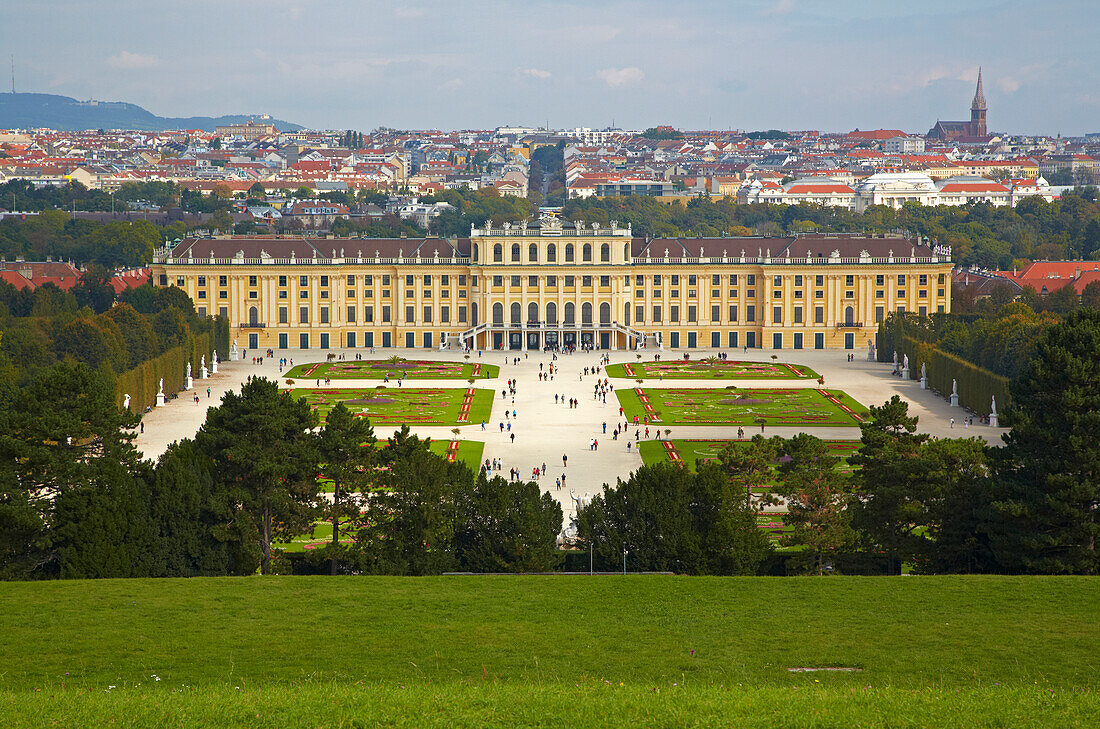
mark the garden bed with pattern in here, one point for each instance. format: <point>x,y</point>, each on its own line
<point>689,451</point>
<point>395,406</point>
<point>712,369</point>
<point>379,369</point>
<point>748,407</point>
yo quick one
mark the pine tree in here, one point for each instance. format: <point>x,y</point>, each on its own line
<point>348,456</point>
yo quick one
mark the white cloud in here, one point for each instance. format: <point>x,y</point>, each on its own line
<point>781,7</point>
<point>407,13</point>
<point>131,61</point>
<point>620,76</point>
<point>535,72</point>
<point>453,85</point>
<point>1009,85</point>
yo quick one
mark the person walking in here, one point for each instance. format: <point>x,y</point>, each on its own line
<point>564,461</point>
<point>513,436</point>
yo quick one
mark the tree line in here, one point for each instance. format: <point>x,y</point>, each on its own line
<point>77,501</point>
<point>937,505</point>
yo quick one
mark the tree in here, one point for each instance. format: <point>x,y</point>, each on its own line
<point>507,526</point>
<point>1046,506</point>
<point>94,289</point>
<point>1063,300</point>
<point>196,534</point>
<point>61,435</point>
<point>671,519</point>
<point>1090,295</point>
<point>410,521</point>
<point>265,457</point>
<point>136,331</point>
<point>750,465</point>
<point>890,512</point>
<point>817,496</point>
<point>347,454</point>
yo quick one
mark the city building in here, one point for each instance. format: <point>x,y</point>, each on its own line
<point>250,131</point>
<point>960,130</point>
<point>555,284</point>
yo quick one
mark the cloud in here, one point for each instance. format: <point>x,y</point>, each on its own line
<point>620,76</point>
<point>407,13</point>
<point>535,73</point>
<point>131,61</point>
<point>453,85</point>
<point>1009,85</point>
<point>781,7</point>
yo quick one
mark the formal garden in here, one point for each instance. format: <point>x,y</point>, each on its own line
<point>393,368</point>
<point>690,451</point>
<point>711,368</point>
<point>393,406</point>
<point>741,406</point>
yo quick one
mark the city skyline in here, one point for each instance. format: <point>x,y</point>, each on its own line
<point>752,65</point>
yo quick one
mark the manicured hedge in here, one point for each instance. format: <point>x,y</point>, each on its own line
<point>141,382</point>
<point>977,386</point>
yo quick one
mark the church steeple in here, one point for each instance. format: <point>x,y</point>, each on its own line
<point>977,110</point>
<point>979,97</point>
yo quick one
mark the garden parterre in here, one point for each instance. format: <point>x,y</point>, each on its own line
<point>711,368</point>
<point>393,406</point>
<point>394,369</point>
<point>781,407</point>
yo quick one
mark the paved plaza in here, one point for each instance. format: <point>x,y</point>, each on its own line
<point>545,431</point>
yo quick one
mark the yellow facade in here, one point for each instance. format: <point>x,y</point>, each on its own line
<point>531,287</point>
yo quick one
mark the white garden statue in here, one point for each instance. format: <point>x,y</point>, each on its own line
<point>126,401</point>
<point>160,385</point>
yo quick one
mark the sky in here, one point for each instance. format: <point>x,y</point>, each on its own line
<point>830,65</point>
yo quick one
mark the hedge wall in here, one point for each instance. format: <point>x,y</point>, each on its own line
<point>977,385</point>
<point>141,382</point>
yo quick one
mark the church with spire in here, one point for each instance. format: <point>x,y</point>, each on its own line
<point>965,131</point>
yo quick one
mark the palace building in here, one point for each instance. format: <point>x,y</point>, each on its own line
<point>526,286</point>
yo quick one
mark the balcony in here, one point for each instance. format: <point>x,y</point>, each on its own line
<point>850,325</point>
<point>251,325</point>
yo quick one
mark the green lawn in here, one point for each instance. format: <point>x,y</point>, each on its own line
<point>700,369</point>
<point>392,406</point>
<point>552,651</point>
<point>377,369</point>
<point>697,406</point>
<point>469,451</point>
<point>689,451</point>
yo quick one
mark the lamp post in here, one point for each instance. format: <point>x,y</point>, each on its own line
<point>624,558</point>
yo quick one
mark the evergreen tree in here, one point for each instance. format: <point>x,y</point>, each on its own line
<point>507,526</point>
<point>1047,485</point>
<point>347,454</point>
<point>817,497</point>
<point>265,459</point>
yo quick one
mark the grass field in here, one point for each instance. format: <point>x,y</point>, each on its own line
<point>552,651</point>
<point>689,451</point>
<point>393,406</point>
<point>697,406</point>
<point>377,369</point>
<point>468,451</point>
<point>702,369</point>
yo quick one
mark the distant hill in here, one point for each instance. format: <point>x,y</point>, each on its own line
<point>67,114</point>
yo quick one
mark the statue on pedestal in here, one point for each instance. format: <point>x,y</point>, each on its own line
<point>126,401</point>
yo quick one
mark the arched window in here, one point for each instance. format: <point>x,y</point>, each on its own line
<point>516,312</point>
<point>569,315</point>
<point>849,315</point>
<point>515,253</point>
<point>605,313</point>
<point>533,253</point>
<point>626,314</point>
<point>605,253</point>
<point>473,314</point>
<point>253,315</point>
<point>551,252</point>
<point>498,312</point>
<point>586,313</point>
<point>498,253</point>
<point>626,252</point>
<point>474,256</point>
<point>532,311</point>
<point>551,313</point>
<point>568,252</point>
<point>586,253</point>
